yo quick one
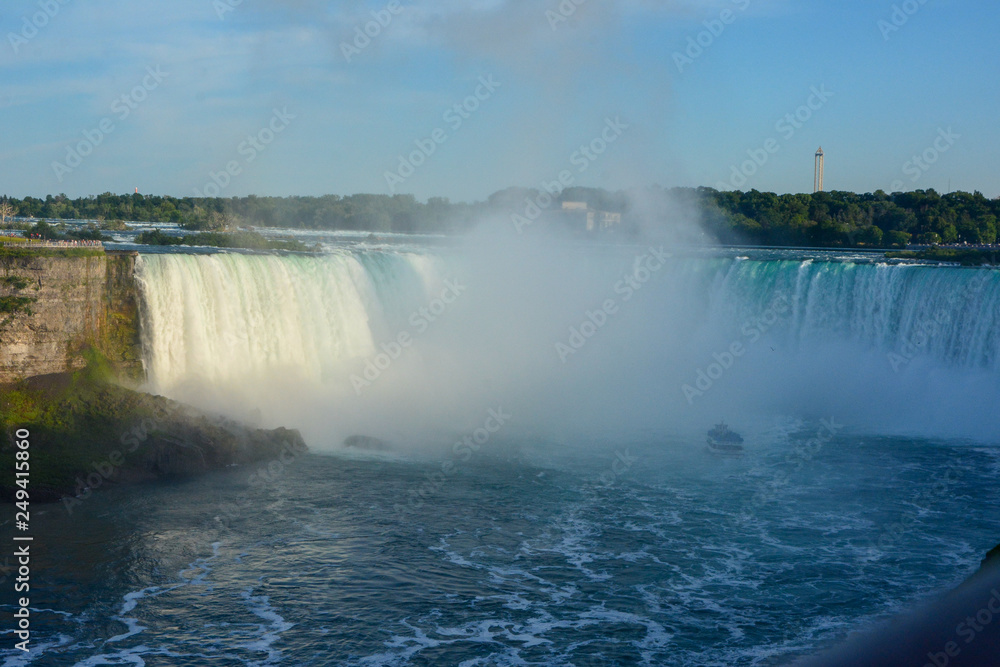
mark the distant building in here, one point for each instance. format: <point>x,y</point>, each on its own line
<point>818,177</point>
<point>580,215</point>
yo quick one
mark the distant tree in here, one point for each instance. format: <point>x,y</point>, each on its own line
<point>44,230</point>
<point>869,236</point>
<point>949,234</point>
<point>832,218</point>
<point>898,239</point>
<point>6,211</point>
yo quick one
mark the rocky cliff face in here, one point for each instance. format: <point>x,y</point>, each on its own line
<point>56,305</point>
<point>86,430</point>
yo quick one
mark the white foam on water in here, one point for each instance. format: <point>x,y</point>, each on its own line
<point>496,635</point>
<point>18,658</point>
<point>260,605</point>
<point>200,571</point>
<point>131,600</point>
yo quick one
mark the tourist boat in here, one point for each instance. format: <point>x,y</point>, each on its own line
<point>723,440</point>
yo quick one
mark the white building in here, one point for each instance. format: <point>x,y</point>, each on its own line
<point>591,218</point>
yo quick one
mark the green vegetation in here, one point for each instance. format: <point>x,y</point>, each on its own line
<point>11,305</point>
<point>15,282</point>
<point>87,432</point>
<point>242,239</point>
<point>843,219</point>
<point>361,212</point>
<point>118,337</point>
<point>79,408</point>
<point>29,251</point>
<point>73,252</point>
<point>14,256</point>
<point>970,257</point>
<point>22,253</point>
<point>62,232</point>
<point>156,237</point>
<point>16,247</point>
<point>828,219</point>
<point>113,225</point>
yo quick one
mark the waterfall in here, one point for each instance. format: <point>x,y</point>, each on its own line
<point>891,346</point>
<point>229,317</point>
<point>947,313</point>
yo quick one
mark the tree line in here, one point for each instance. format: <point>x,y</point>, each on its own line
<point>824,219</point>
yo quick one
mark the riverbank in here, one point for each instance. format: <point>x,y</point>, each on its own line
<point>87,432</point>
<point>244,240</point>
<point>961,256</point>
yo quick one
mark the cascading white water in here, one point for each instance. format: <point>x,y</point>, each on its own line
<point>216,319</point>
<point>945,313</point>
<point>291,336</point>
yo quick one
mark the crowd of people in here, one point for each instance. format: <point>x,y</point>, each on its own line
<point>38,240</point>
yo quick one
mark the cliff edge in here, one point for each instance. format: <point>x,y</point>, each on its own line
<point>54,303</point>
<point>69,333</point>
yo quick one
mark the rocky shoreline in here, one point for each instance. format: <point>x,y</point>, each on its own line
<point>88,433</point>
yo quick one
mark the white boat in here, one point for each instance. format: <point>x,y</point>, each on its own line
<point>723,440</point>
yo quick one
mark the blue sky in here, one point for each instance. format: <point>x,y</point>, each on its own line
<point>201,77</point>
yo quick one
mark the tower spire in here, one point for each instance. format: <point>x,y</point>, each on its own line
<point>818,177</point>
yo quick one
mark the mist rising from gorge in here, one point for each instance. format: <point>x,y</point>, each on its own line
<point>572,339</point>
